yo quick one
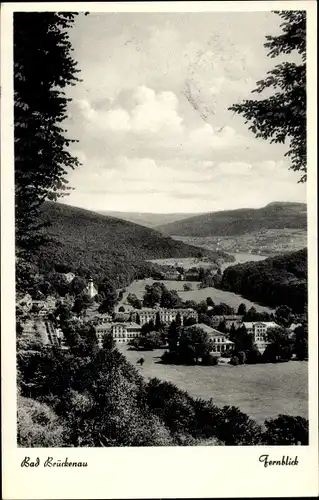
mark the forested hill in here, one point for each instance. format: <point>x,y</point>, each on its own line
<point>279,280</point>
<point>278,215</point>
<point>82,241</point>
<point>148,219</point>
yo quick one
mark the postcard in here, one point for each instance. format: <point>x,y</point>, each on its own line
<point>159,250</point>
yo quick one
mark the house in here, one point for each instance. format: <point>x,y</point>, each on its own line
<point>219,341</point>
<point>191,275</point>
<point>293,326</point>
<point>24,303</point>
<point>172,275</point>
<point>259,332</point>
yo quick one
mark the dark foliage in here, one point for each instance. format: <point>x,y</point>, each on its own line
<point>270,280</point>
<point>282,116</point>
<point>93,245</point>
<point>41,147</point>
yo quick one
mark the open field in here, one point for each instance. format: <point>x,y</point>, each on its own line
<point>185,262</point>
<point>260,391</point>
<point>233,300</point>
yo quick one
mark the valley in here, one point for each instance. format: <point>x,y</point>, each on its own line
<point>260,243</point>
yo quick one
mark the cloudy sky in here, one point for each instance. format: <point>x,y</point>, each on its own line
<point>151,114</point>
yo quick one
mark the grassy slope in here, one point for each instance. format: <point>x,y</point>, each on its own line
<point>243,221</point>
<point>258,390</point>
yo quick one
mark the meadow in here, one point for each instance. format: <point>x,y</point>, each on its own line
<point>261,391</point>
<point>230,298</point>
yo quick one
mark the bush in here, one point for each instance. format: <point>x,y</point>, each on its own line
<point>170,358</point>
<point>235,428</point>
<point>209,360</point>
<point>172,405</point>
<point>234,361</point>
<point>286,430</point>
<point>39,426</point>
<point>241,357</point>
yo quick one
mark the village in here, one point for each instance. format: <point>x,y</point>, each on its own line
<point>125,323</point>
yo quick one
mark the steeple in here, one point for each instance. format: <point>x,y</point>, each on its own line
<point>91,290</point>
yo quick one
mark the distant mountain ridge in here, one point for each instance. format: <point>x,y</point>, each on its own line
<point>147,219</point>
<point>275,215</point>
<point>89,243</point>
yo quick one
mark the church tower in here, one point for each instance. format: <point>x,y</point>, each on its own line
<point>91,290</point>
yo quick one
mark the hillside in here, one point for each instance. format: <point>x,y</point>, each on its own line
<point>278,215</point>
<point>279,280</point>
<point>89,243</point>
<point>147,219</point>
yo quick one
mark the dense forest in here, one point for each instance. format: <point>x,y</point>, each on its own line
<point>88,243</point>
<point>273,281</point>
<point>277,215</point>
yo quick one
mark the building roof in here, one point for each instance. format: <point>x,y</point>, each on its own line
<point>293,326</point>
<point>130,324</point>
<point>269,324</point>
<point>205,328</point>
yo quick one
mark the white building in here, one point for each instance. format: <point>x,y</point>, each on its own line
<point>167,316</point>
<point>121,332</point>
<point>219,341</point>
<point>259,330</point>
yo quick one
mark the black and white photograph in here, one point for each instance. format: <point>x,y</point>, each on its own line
<point>161,230</point>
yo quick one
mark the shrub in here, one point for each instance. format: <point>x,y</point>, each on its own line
<point>241,357</point>
<point>170,358</point>
<point>286,430</point>
<point>234,361</point>
<point>235,428</point>
<point>39,426</point>
<point>209,360</point>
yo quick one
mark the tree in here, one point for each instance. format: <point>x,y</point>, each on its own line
<point>152,295</point>
<point>42,158</point>
<point>158,323</point>
<point>108,342</point>
<point>282,115</point>
<point>193,344</point>
<point>301,342</point>
<point>134,301</point>
<point>210,302</point>
<point>173,335</point>
<point>107,289</point>
<point>242,309</point>
<point>77,285</point>
<point>82,303</point>
<point>286,430</point>
<point>284,315</point>
<point>170,299</point>
<point>187,287</point>
<point>223,309</point>
<point>279,347</point>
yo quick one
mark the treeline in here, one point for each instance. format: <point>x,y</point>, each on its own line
<point>97,399</point>
<point>271,280</point>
